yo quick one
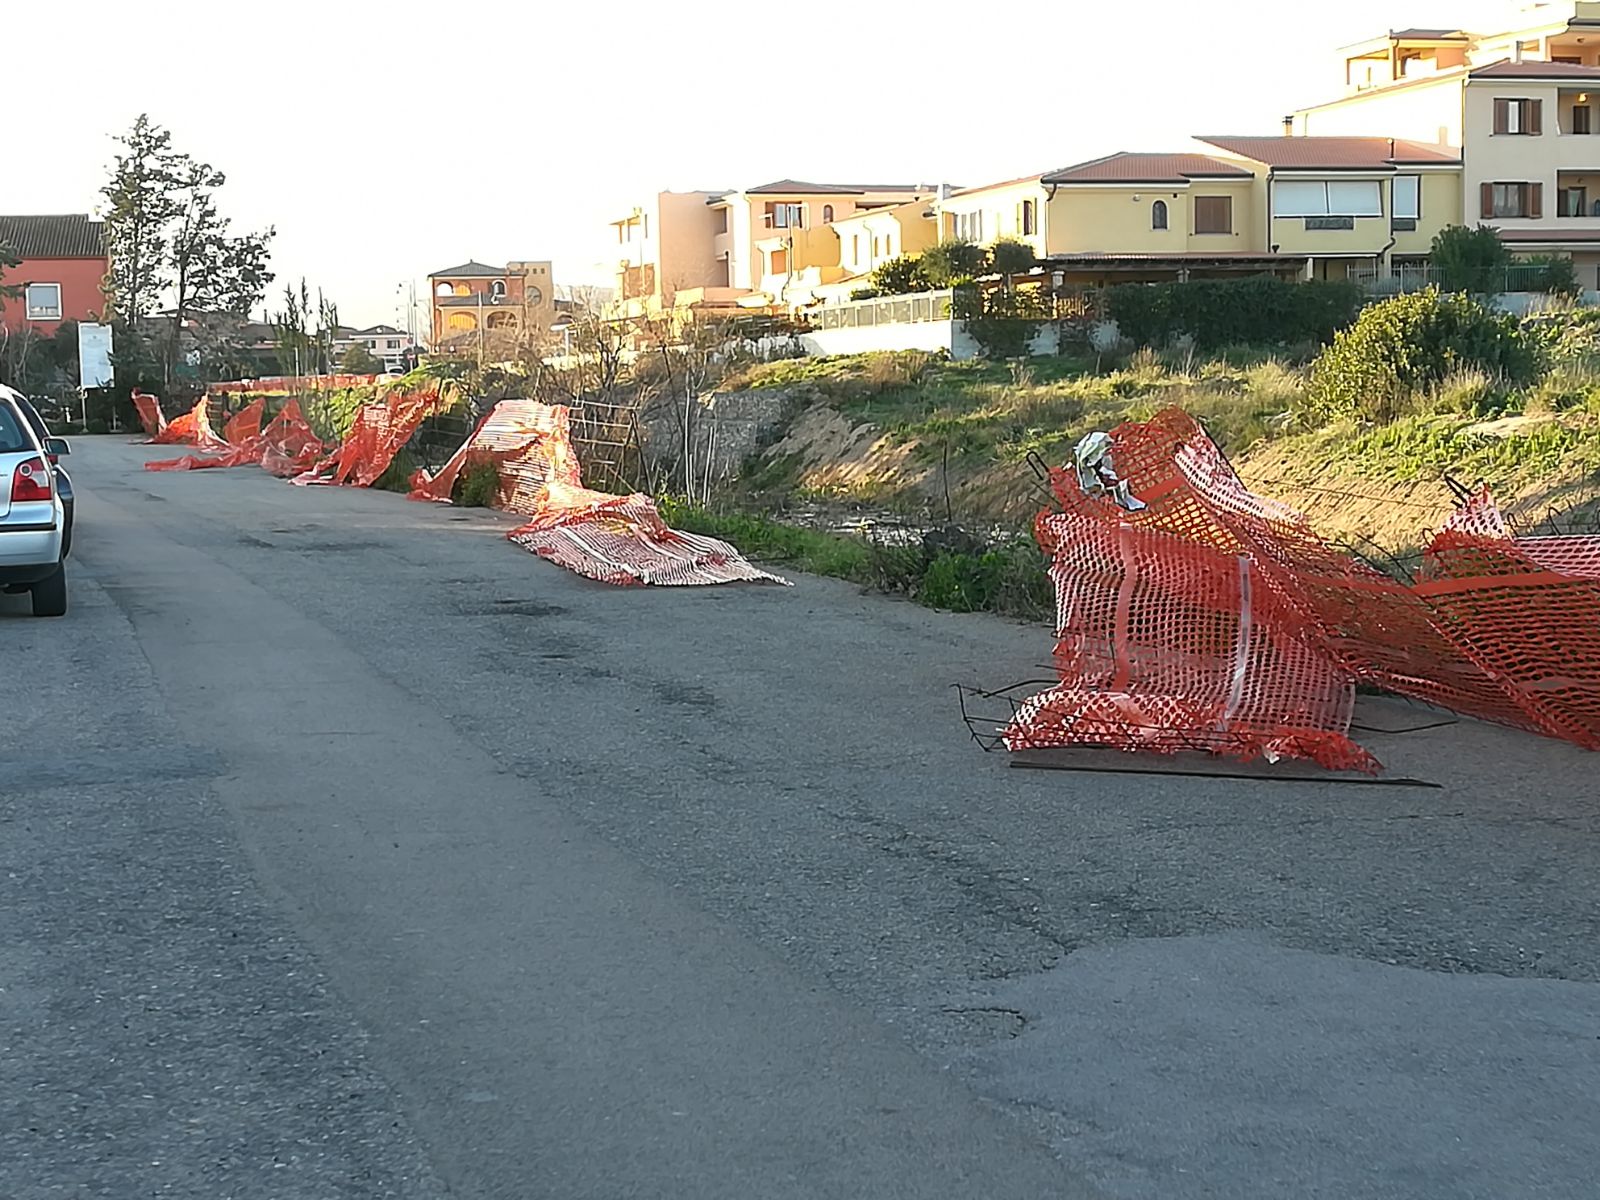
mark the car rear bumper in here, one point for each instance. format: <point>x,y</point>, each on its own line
<point>29,553</point>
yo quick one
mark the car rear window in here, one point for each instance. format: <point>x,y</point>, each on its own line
<point>12,438</point>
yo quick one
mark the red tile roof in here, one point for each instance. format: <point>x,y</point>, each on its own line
<point>1147,168</point>
<point>1551,236</point>
<point>1335,153</point>
<point>796,187</point>
<point>1506,69</point>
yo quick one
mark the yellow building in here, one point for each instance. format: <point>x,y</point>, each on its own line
<point>1126,216</point>
<point>1342,202</point>
<point>1519,102</point>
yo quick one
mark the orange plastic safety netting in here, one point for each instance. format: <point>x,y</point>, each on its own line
<point>376,436</point>
<point>193,428</point>
<point>149,409</point>
<point>615,539</point>
<point>242,445</point>
<point>1499,628</point>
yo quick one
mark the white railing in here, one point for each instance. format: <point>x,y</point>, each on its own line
<point>885,310</point>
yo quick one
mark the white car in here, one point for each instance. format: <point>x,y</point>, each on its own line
<point>33,520</point>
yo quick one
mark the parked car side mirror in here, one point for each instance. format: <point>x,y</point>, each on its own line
<point>56,447</point>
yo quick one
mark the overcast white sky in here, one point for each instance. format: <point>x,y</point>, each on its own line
<point>385,140</point>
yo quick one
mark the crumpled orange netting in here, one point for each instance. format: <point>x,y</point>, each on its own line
<point>615,539</point>
<point>1215,619</point>
<point>376,436</point>
<point>149,410</point>
<point>193,428</point>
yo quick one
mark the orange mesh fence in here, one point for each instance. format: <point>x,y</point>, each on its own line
<point>1497,628</point>
<point>288,446</point>
<point>193,428</point>
<point>615,539</point>
<point>241,438</point>
<point>1166,645</point>
<point>293,385</point>
<point>149,409</point>
<point>375,437</point>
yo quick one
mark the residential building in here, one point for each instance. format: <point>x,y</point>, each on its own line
<point>666,256</point>
<point>1126,217</point>
<point>778,239</point>
<point>1343,202</point>
<point>475,297</point>
<point>1520,103</point>
<point>384,342</point>
<point>62,273</point>
<point>871,237</point>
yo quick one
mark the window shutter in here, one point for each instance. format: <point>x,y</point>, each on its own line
<point>1486,200</point>
<point>1535,114</point>
<point>1536,200</point>
<point>1502,116</point>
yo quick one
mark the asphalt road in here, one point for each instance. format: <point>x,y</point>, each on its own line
<point>347,850</point>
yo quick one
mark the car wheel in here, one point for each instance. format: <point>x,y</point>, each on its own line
<point>50,595</point>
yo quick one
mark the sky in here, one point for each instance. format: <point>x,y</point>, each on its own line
<point>388,140</point>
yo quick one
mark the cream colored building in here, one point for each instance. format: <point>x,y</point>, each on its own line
<point>667,257</point>
<point>1520,103</point>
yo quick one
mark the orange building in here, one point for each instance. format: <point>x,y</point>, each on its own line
<point>519,297</point>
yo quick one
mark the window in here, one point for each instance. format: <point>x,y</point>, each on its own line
<point>444,289</point>
<point>827,214</point>
<point>722,220</point>
<point>1511,199</point>
<point>1327,198</point>
<point>1213,214</point>
<point>644,227</point>
<point>969,227</point>
<point>1029,221</point>
<point>1158,215</point>
<point>855,247</point>
<point>392,344</point>
<point>1407,201</point>
<point>780,263</point>
<point>44,302</point>
<point>1572,202</point>
<point>786,216</point>
<point>1519,116</point>
<point>497,287</point>
<point>1582,119</point>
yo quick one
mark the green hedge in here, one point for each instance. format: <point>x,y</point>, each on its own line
<point>1223,312</point>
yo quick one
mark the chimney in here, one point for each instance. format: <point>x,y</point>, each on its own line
<point>1288,125</point>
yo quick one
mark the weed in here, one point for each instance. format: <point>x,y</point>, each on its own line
<point>478,486</point>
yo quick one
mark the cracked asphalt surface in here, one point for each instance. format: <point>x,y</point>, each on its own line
<point>349,850</point>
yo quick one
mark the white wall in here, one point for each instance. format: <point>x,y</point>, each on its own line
<point>948,336</point>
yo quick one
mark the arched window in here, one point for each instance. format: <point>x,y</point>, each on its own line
<point>1158,215</point>
<point>497,288</point>
<point>827,213</point>
<point>444,289</point>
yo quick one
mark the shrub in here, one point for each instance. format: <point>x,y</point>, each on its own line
<point>1469,260</point>
<point>1410,344</point>
<point>1554,274</point>
<point>900,275</point>
<point>478,486</point>
<point>1220,312</point>
<point>946,264</point>
<point>1010,257</point>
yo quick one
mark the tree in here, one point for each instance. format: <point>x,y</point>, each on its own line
<point>1469,260</point>
<point>303,348</point>
<point>947,262</point>
<point>141,204</point>
<point>900,275</point>
<point>197,240</point>
<point>358,360</point>
<point>8,259</point>
<point>243,274</point>
<point>1009,257</point>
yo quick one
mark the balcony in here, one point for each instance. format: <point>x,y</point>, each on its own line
<point>1577,196</point>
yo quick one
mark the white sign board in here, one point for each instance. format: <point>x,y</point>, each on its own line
<point>94,355</point>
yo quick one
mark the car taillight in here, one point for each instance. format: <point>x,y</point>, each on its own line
<point>31,481</point>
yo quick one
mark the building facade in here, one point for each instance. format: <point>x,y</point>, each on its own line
<point>62,272</point>
<point>1520,103</point>
<point>474,298</point>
